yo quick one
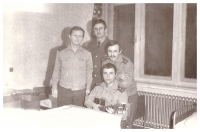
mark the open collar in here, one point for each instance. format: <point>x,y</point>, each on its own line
<point>120,58</point>
<point>114,86</point>
<point>70,47</point>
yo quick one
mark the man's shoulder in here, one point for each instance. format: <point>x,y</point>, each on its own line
<point>98,86</point>
<point>61,48</point>
<point>125,59</point>
<point>91,42</point>
<point>105,59</point>
<point>106,40</point>
<point>85,49</point>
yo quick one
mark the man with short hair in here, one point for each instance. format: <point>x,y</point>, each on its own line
<point>97,49</point>
<point>107,93</point>
<point>72,71</point>
<point>125,76</point>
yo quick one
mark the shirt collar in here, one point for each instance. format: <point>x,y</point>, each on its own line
<point>114,86</point>
<point>102,40</point>
<point>119,58</point>
<point>70,47</point>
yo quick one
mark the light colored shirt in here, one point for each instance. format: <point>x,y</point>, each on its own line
<point>73,70</point>
<point>111,95</point>
<point>124,65</point>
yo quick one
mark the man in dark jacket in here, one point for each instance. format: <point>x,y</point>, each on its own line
<point>96,47</point>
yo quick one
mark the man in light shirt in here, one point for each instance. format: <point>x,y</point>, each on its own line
<point>72,75</point>
<point>107,93</point>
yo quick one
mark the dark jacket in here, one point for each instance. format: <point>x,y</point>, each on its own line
<point>98,56</point>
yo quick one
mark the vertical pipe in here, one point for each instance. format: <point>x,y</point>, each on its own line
<point>148,109</point>
<point>154,110</point>
<point>173,103</point>
<point>171,110</point>
<point>164,111</point>
<point>157,111</point>
<point>152,106</point>
<point>161,110</point>
<point>182,103</point>
<point>151,109</point>
<point>144,119</point>
<point>167,111</point>
<point>159,105</point>
<point>148,112</point>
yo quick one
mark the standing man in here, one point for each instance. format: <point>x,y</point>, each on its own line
<point>72,71</point>
<point>125,76</point>
<point>97,49</point>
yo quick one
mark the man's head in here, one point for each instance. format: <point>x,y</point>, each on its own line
<point>109,72</point>
<point>76,35</point>
<point>113,49</point>
<point>100,28</point>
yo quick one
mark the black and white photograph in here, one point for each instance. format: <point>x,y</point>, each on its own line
<point>99,66</point>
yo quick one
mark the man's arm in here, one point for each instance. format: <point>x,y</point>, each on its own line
<point>56,75</point>
<point>89,100</point>
<point>128,69</point>
<point>123,99</point>
<point>89,68</point>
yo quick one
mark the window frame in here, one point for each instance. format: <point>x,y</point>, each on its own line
<point>177,78</point>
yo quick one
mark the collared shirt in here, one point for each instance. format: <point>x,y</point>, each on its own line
<point>97,56</point>
<point>73,70</point>
<point>124,65</point>
<point>111,95</point>
<point>101,40</point>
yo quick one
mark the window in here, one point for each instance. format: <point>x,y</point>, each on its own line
<point>164,46</point>
<point>165,50</point>
<point>158,39</point>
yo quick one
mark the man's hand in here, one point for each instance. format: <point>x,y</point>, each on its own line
<point>55,93</point>
<point>110,110</point>
<point>87,91</point>
<point>124,76</point>
<point>96,106</point>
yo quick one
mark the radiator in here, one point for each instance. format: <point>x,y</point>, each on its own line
<point>159,109</point>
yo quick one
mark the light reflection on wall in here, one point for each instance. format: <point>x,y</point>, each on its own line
<point>17,7</point>
<point>31,35</point>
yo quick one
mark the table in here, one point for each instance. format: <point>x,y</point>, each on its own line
<point>65,117</point>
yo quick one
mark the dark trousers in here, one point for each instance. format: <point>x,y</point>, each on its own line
<point>67,97</point>
<point>132,100</point>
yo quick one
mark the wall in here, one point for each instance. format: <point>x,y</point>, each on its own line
<point>31,36</point>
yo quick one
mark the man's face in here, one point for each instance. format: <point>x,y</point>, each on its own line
<point>113,52</point>
<point>109,75</point>
<point>99,30</point>
<point>76,37</point>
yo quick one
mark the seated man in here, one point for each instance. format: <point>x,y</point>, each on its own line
<point>125,76</point>
<point>108,93</point>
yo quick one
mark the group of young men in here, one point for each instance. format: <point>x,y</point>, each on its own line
<point>94,75</point>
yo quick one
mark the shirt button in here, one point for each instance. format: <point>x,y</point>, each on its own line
<point>95,66</point>
<point>96,55</point>
<point>95,75</point>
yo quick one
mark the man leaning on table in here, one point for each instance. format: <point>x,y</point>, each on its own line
<point>72,75</point>
<point>107,93</point>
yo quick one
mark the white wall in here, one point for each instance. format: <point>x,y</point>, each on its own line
<point>31,32</point>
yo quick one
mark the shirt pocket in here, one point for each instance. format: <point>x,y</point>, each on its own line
<point>81,63</point>
<point>67,62</point>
